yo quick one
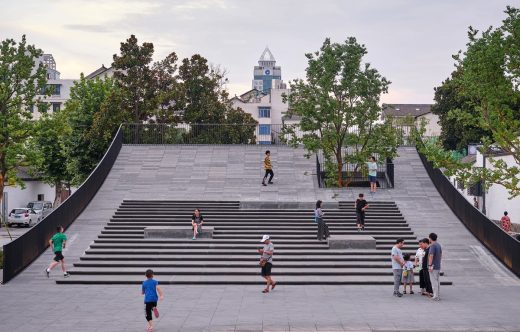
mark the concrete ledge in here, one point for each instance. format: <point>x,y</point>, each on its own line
<point>175,232</point>
<point>244,205</point>
<point>352,242</point>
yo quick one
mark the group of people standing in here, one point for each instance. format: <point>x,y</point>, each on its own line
<point>427,263</point>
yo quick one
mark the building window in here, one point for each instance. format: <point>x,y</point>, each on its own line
<point>264,112</point>
<point>264,142</point>
<point>56,107</point>
<point>265,129</point>
<point>55,89</point>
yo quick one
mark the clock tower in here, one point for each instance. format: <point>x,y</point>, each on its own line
<point>267,75</point>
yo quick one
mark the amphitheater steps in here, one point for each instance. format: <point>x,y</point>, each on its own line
<point>121,253</point>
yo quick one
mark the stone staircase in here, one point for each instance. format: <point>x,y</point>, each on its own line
<point>121,254</point>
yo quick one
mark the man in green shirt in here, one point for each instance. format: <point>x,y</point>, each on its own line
<point>57,242</point>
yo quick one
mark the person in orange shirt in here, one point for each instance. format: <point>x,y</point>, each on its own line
<point>506,222</point>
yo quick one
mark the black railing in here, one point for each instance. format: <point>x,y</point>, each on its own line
<point>21,252</point>
<point>502,245</point>
<point>355,175</point>
<point>164,133</point>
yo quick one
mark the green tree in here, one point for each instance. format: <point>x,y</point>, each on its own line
<point>202,99</point>
<point>490,79</point>
<point>84,148</point>
<point>21,81</point>
<point>457,115</point>
<point>339,107</point>
<point>48,143</point>
<point>135,77</point>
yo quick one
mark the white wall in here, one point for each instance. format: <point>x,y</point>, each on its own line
<point>497,199</point>
<point>61,98</point>
<point>432,127</point>
<point>18,197</point>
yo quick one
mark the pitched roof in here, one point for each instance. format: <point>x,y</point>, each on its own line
<point>97,72</point>
<point>401,110</point>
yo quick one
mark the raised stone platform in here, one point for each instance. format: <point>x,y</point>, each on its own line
<point>358,241</point>
<point>175,232</point>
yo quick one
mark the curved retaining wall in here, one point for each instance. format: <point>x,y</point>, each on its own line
<point>503,246</point>
<point>21,252</point>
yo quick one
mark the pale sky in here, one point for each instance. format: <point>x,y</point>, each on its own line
<point>409,42</point>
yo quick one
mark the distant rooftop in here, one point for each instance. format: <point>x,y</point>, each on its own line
<point>402,110</point>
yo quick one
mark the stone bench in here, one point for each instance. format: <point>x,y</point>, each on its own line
<point>176,232</point>
<point>358,241</point>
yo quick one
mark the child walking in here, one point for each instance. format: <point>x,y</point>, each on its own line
<point>407,273</point>
<point>149,289</point>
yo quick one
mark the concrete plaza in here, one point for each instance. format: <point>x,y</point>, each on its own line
<point>484,296</point>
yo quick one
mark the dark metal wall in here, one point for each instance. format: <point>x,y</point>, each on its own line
<point>503,246</point>
<point>21,252</point>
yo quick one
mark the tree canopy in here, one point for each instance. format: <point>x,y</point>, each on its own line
<point>338,104</point>
<point>489,83</point>
<point>21,81</point>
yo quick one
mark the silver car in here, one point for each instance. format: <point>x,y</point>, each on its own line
<point>41,207</point>
<point>23,217</point>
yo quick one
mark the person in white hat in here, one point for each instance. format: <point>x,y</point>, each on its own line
<point>266,261</point>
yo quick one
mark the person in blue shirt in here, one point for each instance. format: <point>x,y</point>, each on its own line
<point>150,289</point>
<point>372,174</point>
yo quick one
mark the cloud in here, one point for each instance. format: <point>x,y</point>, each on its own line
<point>87,27</point>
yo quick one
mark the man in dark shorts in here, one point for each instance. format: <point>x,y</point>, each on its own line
<point>361,205</point>
<point>267,257</point>
<point>57,242</point>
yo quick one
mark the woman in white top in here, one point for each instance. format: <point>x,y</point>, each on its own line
<point>419,256</point>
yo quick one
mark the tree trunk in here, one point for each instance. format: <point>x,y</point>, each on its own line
<point>339,160</point>
<point>58,186</point>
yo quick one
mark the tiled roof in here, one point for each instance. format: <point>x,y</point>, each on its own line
<point>97,72</point>
<point>402,110</point>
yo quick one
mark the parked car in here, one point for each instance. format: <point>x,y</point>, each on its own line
<point>23,217</point>
<point>41,207</point>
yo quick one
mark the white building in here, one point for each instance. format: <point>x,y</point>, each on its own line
<point>495,200</point>
<point>60,88</point>
<point>265,102</point>
<point>418,112</point>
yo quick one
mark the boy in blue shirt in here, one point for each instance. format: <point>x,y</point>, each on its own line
<point>150,288</point>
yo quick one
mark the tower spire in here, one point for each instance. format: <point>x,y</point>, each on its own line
<point>266,56</point>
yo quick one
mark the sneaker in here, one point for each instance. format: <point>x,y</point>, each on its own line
<point>270,182</point>
<point>194,238</point>
<point>398,294</point>
<point>436,298</point>
<point>155,312</point>
<point>47,272</point>
<point>263,184</point>
<point>66,275</point>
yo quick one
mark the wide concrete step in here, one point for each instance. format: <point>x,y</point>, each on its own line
<point>179,202</point>
<point>253,257</point>
<point>227,235</point>
<point>218,211</point>
<point>371,226</point>
<point>258,216</point>
<point>231,252</point>
<point>234,280</point>
<point>230,271</point>
<point>254,223</point>
<point>218,240</point>
<point>247,263</point>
